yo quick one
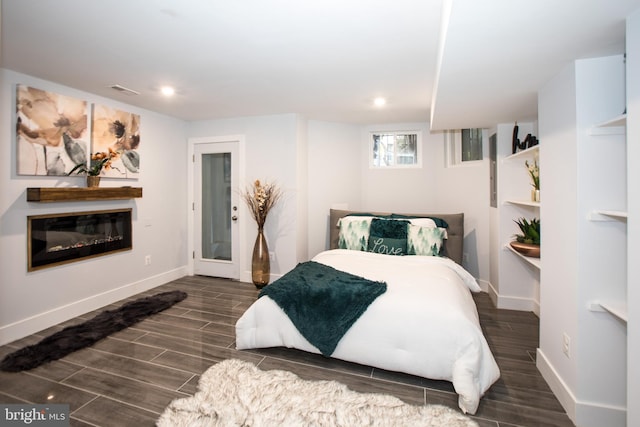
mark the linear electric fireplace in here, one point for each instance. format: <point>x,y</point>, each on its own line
<point>62,238</point>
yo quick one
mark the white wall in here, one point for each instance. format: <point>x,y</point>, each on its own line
<point>465,188</point>
<point>633,222</point>
<point>602,269</point>
<point>558,154</point>
<point>33,301</point>
<point>334,176</point>
<point>587,173</point>
<point>302,177</point>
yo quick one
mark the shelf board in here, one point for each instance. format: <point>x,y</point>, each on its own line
<point>527,152</point>
<point>532,261</point>
<point>608,215</point>
<point>74,194</point>
<point>620,120</point>
<point>615,126</point>
<point>617,309</point>
<point>523,203</point>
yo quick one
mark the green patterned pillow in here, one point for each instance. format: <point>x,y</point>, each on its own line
<point>388,237</point>
<point>424,240</point>
<point>354,232</point>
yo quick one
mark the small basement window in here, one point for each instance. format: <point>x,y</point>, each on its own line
<point>464,145</point>
<point>395,149</point>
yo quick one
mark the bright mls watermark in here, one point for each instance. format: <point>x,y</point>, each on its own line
<point>55,415</point>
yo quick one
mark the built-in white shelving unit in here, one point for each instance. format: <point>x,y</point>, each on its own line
<point>515,277</point>
<point>584,308</point>
<point>531,207</point>
<point>609,132</point>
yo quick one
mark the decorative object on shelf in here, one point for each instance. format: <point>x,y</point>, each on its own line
<point>260,199</point>
<point>535,195</point>
<point>529,141</point>
<point>515,142</point>
<point>526,249</point>
<point>534,173</point>
<point>93,181</point>
<point>99,162</point>
<point>528,242</point>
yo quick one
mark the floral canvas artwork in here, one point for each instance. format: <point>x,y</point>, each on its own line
<point>116,133</point>
<point>51,132</point>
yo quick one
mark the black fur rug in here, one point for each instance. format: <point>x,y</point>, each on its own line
<point>75,337</point>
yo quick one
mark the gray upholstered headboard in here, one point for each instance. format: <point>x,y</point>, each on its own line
<point>452,245</point>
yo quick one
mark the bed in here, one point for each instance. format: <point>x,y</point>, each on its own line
<point>424,323</point>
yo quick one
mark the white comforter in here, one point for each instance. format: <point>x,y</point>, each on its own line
<point>425,324</point>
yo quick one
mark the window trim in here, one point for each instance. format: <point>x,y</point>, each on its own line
<point>417,165</point>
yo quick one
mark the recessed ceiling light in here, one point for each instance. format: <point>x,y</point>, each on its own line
<point>379,102</point>
<point>167,90</point>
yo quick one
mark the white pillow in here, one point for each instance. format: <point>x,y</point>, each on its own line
<point>354,232</point>
<point>428,222</point>
<point>425,241</point>
<point>423,222</point>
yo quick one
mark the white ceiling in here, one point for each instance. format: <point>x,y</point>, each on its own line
<point>477,64</point>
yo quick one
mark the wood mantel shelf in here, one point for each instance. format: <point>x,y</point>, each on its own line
<point>72,194</point>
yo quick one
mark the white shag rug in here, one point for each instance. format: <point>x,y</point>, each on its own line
<point>237,393</point>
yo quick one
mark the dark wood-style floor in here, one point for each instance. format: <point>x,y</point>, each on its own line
<point>130,377</point>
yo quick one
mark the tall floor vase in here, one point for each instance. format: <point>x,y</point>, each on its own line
<point>260,266</point>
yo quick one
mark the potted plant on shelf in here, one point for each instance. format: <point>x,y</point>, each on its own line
<point>534,173</point>
<point>528,242</point>
<point>99,161</point>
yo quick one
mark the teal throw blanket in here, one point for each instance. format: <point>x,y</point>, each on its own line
<point>323,302</point>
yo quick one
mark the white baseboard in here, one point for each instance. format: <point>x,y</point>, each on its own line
<point>493,294</point>
<point>38,322</point>
<point>591,414</point>
<point>484,285</point>
<point>557,385</point>
<point>583,414</point>
<point>512,303</point>
<point>516,303</point>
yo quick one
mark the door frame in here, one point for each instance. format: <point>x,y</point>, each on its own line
<point>192,142</point>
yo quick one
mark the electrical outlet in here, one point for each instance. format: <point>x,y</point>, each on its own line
<point>566,345</point>
<point>272,256</point>
<point>147,260</point>
<point>465,257</point>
